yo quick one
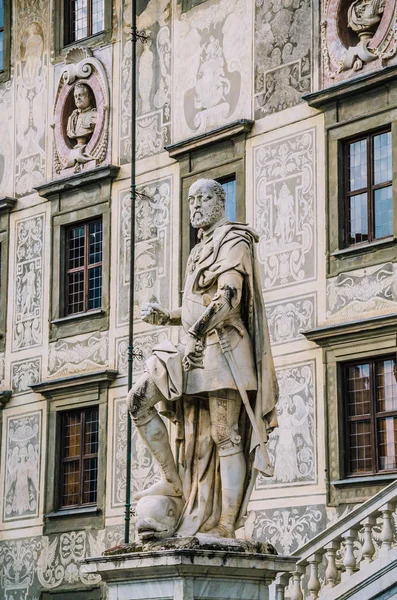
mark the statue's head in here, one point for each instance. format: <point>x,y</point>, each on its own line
<point>82,96</point>
<point>206,203</point>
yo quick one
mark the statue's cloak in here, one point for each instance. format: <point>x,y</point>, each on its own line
<point>227,250</point>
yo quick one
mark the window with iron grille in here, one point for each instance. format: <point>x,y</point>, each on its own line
<point>83,18</point>
<point>79,457</point>
<point>368,188</point>
<point>370,400</point>
<point>83,267</point>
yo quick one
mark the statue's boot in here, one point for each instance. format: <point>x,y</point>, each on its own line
<point>233,470</point>
<point>155,436</point>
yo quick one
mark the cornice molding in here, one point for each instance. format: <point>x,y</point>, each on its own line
<point>242,126</point>
<point>365,329</point>
<point>5,396</point>
<point>55,388</point>
<point>65,184</point>
<point>7,204</point>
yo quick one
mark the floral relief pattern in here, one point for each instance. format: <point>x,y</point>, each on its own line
<point>80,354</point>
<point>143,344</point>
<point>285,210</point>
<point>24,373</point>
<point>27,330</point>
<point>291,444</point>
<point>283,31</point>
<point>153,126</point>
<point>144,471</point>
<point>360,294</point>
<point>152,260</point>
<point>287,320</point>
<point>22,469</point>
<point>286,528</point>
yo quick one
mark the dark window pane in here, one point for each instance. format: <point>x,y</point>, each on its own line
<point>360,458</point>
<point>76,247</point>
<point>98,15</point>
<point>358,219</point>
<point>72,434</point>
<point>382,158</point>
<point>75,292</point>
<point>1,50</point>
<point>383,208</point>
<point>94,288</point>
<point>387,438</point>
<point>359,393</point>
<point>95,243</point>
<point>357,160</point>
<point>90,484</point>
<point>230,206</point>
<point>1,13</point>
<point>80,19</point>
<point>386,374</point>
<point>91,432</point>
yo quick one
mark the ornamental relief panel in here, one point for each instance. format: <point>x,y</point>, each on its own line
<point>81,114</point>
<point>285,190</point>
<point>152,250</point>
<point>143,344</point>
<point>213,73</point>
<point>153,124</point>
<point>6,139</point>
<point>362,294</point>
<point>22,468</point>
<point>292,444</point>
<point>28,301</point>
<point>144,471</point>
<point>286,528</point>
<point>31,78</point>
<point>24,373</point>
<point>283,70</point>
<point>80,354</point>
<point>287,320</point>
<point>2,371</point>
<point>357,36</point>
<point>17,569</point>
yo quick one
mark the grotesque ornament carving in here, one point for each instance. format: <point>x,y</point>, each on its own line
<point>219,386</point>
<point>81,115</point>
<point>363,17</point>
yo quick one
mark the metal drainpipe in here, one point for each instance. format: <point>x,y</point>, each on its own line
<point>134,40</point>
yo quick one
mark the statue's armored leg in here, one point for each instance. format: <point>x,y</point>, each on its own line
<point>140,401</point>
<point>225,413</point>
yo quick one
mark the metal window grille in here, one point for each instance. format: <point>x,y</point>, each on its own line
<point>368,188</point>
<point>79,457</point>
<point>370,401</point>
<point>83,267</point>
<point>83,18</point>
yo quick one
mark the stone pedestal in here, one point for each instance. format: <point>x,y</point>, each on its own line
<point>205,572</point>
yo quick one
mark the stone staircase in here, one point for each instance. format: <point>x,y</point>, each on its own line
<point>355,558</point>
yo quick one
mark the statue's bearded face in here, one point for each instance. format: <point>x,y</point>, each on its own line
<point>81,97</point>
<point>205,205</point>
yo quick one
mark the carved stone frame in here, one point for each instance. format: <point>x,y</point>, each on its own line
<point>341,259</point>
<point>216,155</point>
<point>79,391</point>
<point>344,343</point>
<point>78,198</point>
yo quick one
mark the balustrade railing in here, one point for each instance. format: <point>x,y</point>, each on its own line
<point>345,547</point>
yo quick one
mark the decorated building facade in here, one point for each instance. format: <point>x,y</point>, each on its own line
<point>292,106</point>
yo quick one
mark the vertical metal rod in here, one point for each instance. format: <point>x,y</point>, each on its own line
<point>134,38</point>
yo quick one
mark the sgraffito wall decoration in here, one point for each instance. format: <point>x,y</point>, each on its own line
<point>27,329</point>
<point>153,80</point>
<point>24,373</point>
<point>152,251</point>
<point>31,77</point>
<point>144,471</point>
<point>285,215</point>
<point>283,54</point>
<point>6,139</point>
<point>80,354</point>
<point>292,445</point>
<point>213,74</point>
<point>288,319</point>
<point>143,344</point>
<point>22,466</point>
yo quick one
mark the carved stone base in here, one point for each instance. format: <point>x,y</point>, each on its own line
<point>200,567</point>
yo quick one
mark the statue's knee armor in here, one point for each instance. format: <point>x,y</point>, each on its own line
<point>225,411</point>
<point>141,399</point>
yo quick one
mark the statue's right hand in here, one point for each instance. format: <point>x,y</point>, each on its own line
<point>155,314</point>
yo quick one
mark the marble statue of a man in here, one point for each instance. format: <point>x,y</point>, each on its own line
<point>194,386</point>
<point>82,121</point>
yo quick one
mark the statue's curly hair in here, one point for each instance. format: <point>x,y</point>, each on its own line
<point>218,187</point>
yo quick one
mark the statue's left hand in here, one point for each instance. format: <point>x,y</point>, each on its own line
<point>194,352</point>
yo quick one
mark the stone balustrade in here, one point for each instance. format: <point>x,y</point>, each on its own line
<point>364,536</point>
